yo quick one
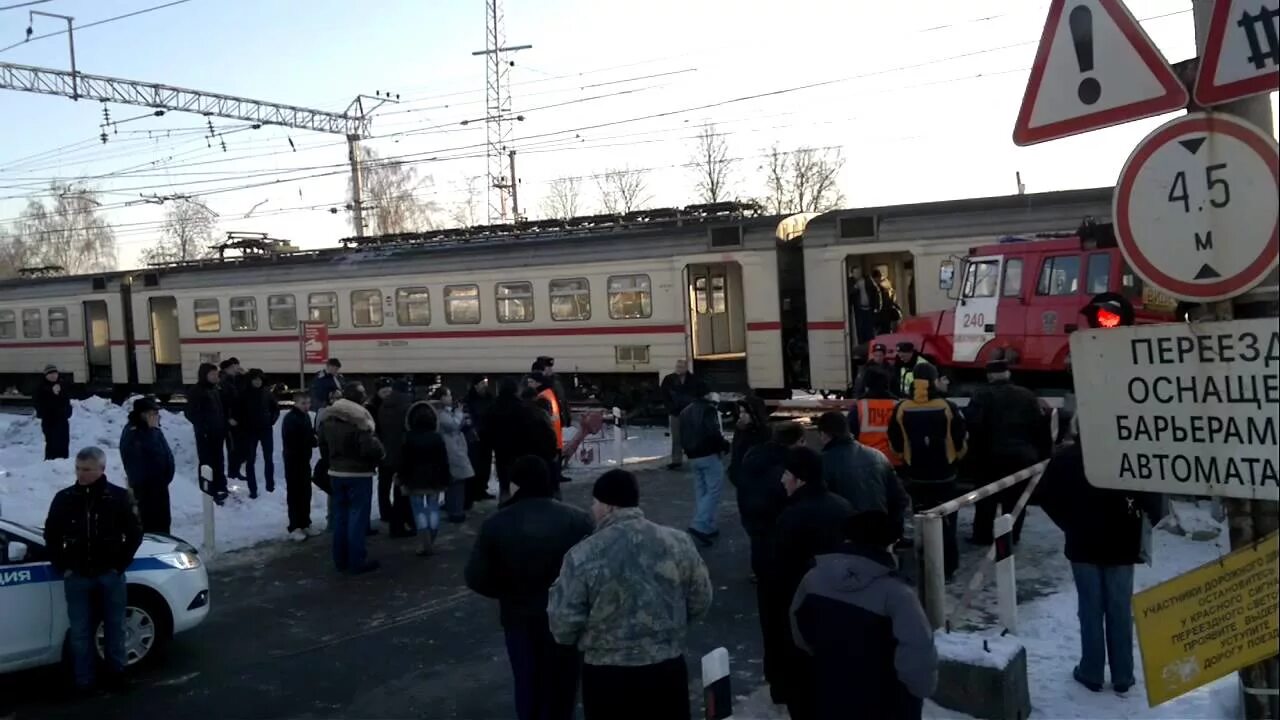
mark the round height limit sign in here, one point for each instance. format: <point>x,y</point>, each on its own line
<point>1197,210</point>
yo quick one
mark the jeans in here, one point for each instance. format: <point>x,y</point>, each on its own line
<point>545,673</point>
<point>352,497</point>
<point>90,599</point>
<point>250,439</point>
<point>426,511</point>
<point>708,483</point>
<point>1104,593</point>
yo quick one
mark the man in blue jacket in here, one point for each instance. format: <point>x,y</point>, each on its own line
<point>148,465</point>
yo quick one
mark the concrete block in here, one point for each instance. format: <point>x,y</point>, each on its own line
<point>982,676</point>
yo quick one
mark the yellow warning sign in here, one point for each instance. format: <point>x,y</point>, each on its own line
<point>1210,621</point>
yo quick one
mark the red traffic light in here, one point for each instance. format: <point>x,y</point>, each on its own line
<point>1108,310</point>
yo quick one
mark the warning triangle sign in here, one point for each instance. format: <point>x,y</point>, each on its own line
<point>1095,67</point>
<point>1241,52</point>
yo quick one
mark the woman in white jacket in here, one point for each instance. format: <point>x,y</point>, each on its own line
<point>450,428</point>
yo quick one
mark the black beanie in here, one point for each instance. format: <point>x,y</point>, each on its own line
<point>530,474</point>
<point>806,464</point>
<point>617,488</point>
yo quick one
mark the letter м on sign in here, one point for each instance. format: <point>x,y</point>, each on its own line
<point>1191,409</point>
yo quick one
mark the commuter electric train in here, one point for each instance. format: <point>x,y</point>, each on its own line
<point>753,300</point>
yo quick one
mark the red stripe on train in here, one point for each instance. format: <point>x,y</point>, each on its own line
<point>827,325</point>
<point>449,334</point>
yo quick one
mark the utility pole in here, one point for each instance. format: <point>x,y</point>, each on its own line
<point>497,107</point>
<point>357,184</point>
<point>515,202</point>
<point>1248,520</point>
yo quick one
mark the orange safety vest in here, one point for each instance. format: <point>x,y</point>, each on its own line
<point>874,417</point>
<point>555,416</point>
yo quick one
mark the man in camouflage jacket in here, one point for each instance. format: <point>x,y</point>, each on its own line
<point>625,597</point>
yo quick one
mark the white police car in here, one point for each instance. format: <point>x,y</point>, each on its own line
<point>168,593</point>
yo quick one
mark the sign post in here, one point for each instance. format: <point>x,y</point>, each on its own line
<point>1210,621</point>
<point>313,348</point>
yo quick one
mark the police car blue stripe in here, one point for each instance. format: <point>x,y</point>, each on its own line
<point>14,575</point>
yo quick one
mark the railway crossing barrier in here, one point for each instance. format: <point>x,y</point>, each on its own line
<point>210,546</point>
<point>717,696</point>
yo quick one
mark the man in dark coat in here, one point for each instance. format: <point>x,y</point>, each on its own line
<point>327,382</point>
<point>812,524</point>
<point>1008,431</point>
<point>258,412</point>
<point>858,473</point>
<point>53,407</point>
<point>478,400</point>
<point>205,412</point>
<point>677,392</point>
<point>1105,537</point>
<point>298,436</point>
<point>751,429</point>
<point>552,380</point>
<point>389,407</point>
<point>704,444</point>
<point>148,465</point>
<point>864,628</point>
<point>91,534</point>
<point>514,429</point>
<point>516,558</point>
<point>230,384</point>
<point>761,499</point>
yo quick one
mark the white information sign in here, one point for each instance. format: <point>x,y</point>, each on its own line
<point>1191,409</point>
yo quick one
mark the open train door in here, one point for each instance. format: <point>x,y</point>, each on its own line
<point>97,345</point>
<point>166,347</point>
<point>718,324</point>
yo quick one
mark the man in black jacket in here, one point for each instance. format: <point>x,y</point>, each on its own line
<point>514,428</point>
<point>1105,538</point>
<point>704,443</point>
<point>298,436</point>
<point>205,412</point>
<point>389,407</point>
<point>812,524</point>
<point>91,534</point>
<point>516,558</point>
<point>1008,432</point>
<point>859,473</point>
<point>864,628</point>
<point>258,412</point>
<point>761,499</point>
<point>229,388</point>
<point>677,392</point>
<point>53,407</point>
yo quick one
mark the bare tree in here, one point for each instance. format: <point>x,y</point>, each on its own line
<point>466,213</point>
<point>67,232</point>
<point>391,202</point>
<point>622,190</point>
<point>14,254</point>
<point>563,198</point>
<point>804,180</point>
<point>712,165</point>
<point>188,230</point>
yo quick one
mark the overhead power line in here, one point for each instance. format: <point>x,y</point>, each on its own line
<point>95,23</point>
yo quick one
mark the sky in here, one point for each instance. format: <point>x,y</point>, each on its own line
<point>920,98</point>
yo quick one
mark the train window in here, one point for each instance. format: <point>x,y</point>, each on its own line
<point>58,322</point>
<point>366,308</point>
<point>631,354</point>
<point>570,299</point>
<point>323,307</point>
<point>1098,273</point>
<point>244,313</point>
<point>462,304</point>
<point>1059,276</point>
<point>515,301</point>
<point>1012,278</point>
<point>8,324</point>
<point>282,312</point>
<point>718,300</point>
<point>700,303</point>
<point>208,318</point>
<point>413,306</point>
<point>31,324</point>
<point>980,279</point>
<point>630,297</point>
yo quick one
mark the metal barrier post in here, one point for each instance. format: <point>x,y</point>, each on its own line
<point>716,694</point>
<point>210,548</point>
<point>933,581</point>
<point>1006,582</point>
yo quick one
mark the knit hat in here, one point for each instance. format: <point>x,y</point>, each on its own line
<point>906,347</point>
<point>226,364</point>
<point>50,368</point>
<point>254,373</point>
<point>617,488</point>
<point>145,405</point>
<point>805,464</point>
<point>997,366</point>
<point>530,474</point>
<point>925,371</point>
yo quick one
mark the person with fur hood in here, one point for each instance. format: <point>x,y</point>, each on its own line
<point>423,472</point>
<point>349,441</point>
<point>449,423</point>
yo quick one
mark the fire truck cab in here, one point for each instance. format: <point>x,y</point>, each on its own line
<point>1019,301</point>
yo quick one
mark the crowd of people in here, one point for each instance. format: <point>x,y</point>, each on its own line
<point>602,601</point>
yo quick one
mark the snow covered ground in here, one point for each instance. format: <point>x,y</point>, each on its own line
<point>1050,632</point>
<point>28,483</point>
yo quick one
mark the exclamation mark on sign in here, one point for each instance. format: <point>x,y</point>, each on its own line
<point>1081,24</point>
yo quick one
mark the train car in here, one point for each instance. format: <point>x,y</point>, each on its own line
<point>77,323</point>
<point>917,248</point>
<point>616,304</point>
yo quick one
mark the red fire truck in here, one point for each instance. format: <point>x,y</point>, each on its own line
<point>1020,299</point>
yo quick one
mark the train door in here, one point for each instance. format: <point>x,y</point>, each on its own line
<point>717,323</point>
<point>166,347</point>
<point>975,319</point>
<point>97,343</point>
<point>866,276</point>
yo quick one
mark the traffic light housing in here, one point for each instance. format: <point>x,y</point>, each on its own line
<point>1108,310</point>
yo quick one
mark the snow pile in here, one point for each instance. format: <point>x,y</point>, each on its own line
<point>28,482</point>
<point>989,651</point>
<point>1192,518</point>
